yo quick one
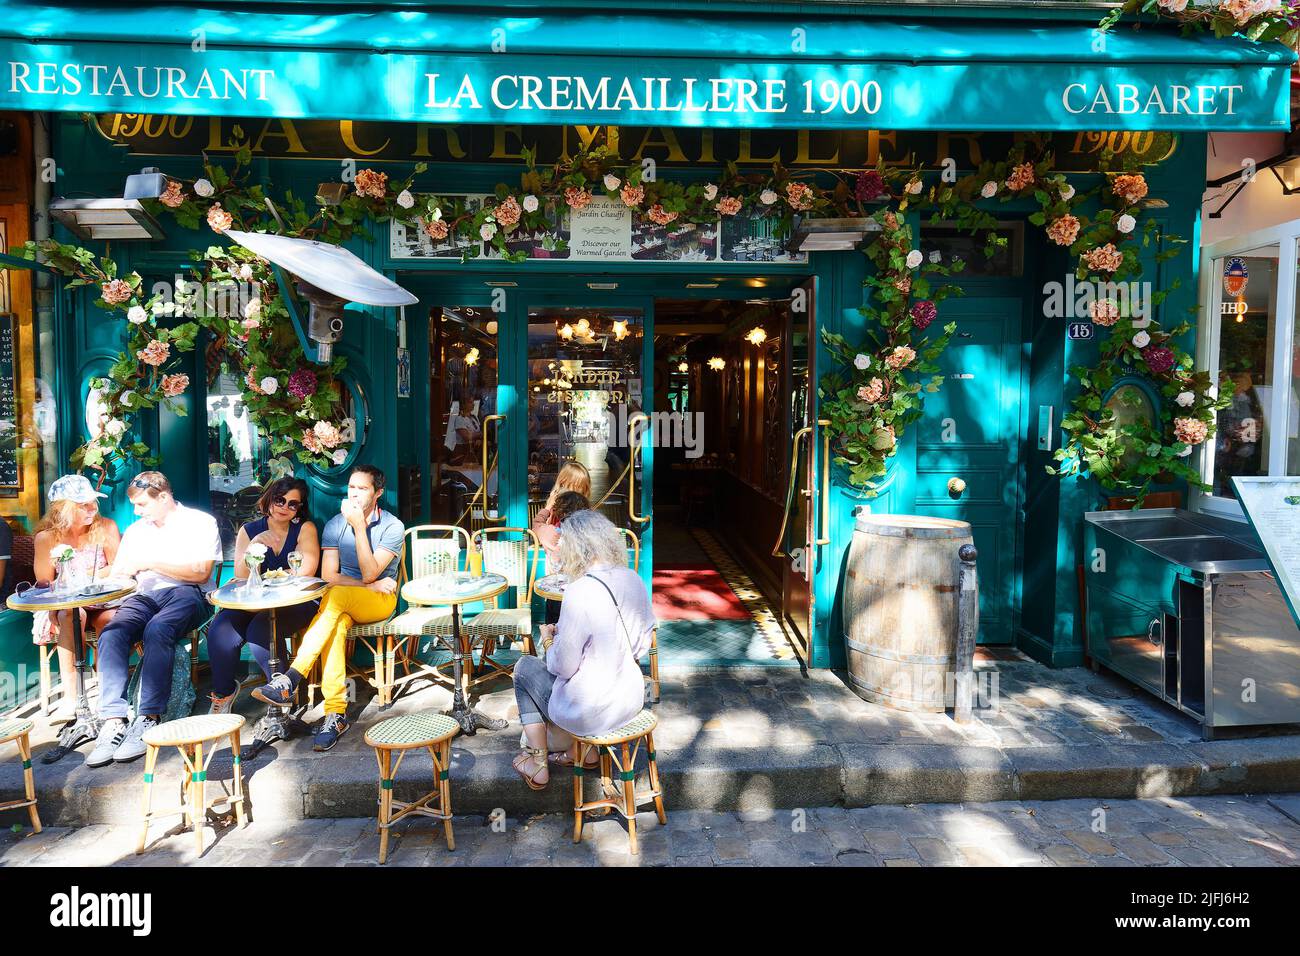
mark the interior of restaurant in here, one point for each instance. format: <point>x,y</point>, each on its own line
<point>717,452</point>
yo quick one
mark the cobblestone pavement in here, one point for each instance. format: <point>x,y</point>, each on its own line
<point>1200,831</point>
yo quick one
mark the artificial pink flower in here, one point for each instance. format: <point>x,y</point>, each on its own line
<point>870,185</point>
<point>1064,231</point>
<point>172,195</point>
<point>728,205</point>
<point>219,219</point>
<point>155,353</point>
<point>659,215</point>
<point>507,212</point>
<point>328,435</point>
<point>310,441</point>
<point>1159,358</point>
<point>1021,177</point>
<point>436,228</point>
<point>900,357</point>
<point>1190,431</point>
<point>173,385</point>
<point>923,313</point>
<point>1130,187</point>
<point>370,182</point>
<point>1104,258</point>
<point>872,392</point>
<point>251,381</point>
<point>116,291</point>
<point>799,196</point>
<point>251,323</point>
<point>904,283</point>
<point>632,195</point>
<point>1104,312</point>
<point>576,197</point>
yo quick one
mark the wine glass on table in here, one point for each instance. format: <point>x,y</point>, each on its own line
<point>296,559</point>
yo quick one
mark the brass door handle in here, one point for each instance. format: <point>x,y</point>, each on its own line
<point>956,487</point>
<point>778,550</point>
<point>634,440</point>
<point>825,537</point>
<point>483,485</point>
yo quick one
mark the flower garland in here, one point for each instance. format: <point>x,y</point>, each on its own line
<point>296,405</point>
<point>1260,20</point>
<point>868,406</point>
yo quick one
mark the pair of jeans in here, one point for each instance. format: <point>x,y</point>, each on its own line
<point>533,684</point>
<point>230,630</point>
<point>159,619</point>
<point>326,638</point>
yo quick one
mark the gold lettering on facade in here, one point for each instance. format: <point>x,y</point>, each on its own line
<point>669,140</point>
<point>804,156</point>
<point>499,142</point>
<point>746,154</point>
<point>450,133</point>
<point>706,148</point>
<point>587,136</point>
<point>346,130</point>
<point>287,132</point>
<point>874,138</point>
<point>217,138</point>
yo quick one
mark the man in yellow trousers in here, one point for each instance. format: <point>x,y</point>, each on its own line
<point>360,551</point>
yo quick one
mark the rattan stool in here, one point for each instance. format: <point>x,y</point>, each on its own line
<point>628,741</point>
<point>411,732</point>
<point>191,735</point>
<point>18,731</point>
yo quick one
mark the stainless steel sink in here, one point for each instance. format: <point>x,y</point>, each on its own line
<point>1200,552</point>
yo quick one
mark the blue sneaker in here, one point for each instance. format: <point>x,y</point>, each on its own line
<point>278,690</point>
<point>331,729</point>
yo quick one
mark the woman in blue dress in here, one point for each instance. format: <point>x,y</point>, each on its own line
<point>284,527</point>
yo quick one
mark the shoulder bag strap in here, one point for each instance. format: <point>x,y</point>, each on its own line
<point>626,633</point>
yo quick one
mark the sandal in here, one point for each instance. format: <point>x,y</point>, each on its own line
<point>564,758</point>
<point>531,753</point>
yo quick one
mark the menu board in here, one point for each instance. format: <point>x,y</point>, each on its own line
<point>1273,507</point>
<point>9,477</point>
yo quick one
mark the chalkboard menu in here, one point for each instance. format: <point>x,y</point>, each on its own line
<point>9,431</point>
<point>1273,507</point>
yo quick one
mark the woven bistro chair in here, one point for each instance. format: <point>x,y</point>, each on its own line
<point>430,548</point>
<point>19,731</point>
<point>376,639</point>
<point>430,731</point>
<point>653,677</point>
<point>510,558</point>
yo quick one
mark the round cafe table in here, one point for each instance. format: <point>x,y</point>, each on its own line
<point>279,723</point>
<point>551,586</point>
<point>86,725</point>
<point>453,590</point>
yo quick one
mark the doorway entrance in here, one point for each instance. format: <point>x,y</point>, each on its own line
<point>688,420</point>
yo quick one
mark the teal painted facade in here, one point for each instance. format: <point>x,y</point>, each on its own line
<point>1018,358</point>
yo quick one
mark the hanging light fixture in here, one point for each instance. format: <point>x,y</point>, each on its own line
<point>620,330</point>
<point>491,328</point>
<point>683,367</point>
<point>566,331</point>
<point>717,364</point>
<point>757,335</point>
<point>471,357</point>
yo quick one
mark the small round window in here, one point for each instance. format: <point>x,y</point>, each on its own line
<point>1132,405</point>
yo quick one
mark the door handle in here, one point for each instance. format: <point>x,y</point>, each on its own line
<point>956,487</point>
<point>484,483</point>
<point>634,440</point>
<point>825,537</point>
<point>778,550</point>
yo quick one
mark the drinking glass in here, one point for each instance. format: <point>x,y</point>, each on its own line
<point>296,559</point>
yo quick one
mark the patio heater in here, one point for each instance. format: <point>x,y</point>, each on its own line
<point>329,277</point>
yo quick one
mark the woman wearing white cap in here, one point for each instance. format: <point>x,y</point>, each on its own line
<point>72,520</point>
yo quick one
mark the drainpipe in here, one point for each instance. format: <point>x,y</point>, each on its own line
<point>44,288</point>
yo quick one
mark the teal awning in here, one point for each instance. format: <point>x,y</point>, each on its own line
<point>571,67</point>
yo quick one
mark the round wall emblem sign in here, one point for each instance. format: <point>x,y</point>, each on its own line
<point>1235,277</point>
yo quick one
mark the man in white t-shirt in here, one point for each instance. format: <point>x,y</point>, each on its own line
<point>171,551</point>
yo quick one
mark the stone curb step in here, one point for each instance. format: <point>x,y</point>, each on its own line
<point>857,775</point>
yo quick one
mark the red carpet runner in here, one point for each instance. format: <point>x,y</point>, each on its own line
<point>695,594</point>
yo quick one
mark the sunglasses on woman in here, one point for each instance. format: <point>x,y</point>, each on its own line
<point>280,501</point>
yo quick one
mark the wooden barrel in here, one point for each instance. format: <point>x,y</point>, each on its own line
<point>900,609</point>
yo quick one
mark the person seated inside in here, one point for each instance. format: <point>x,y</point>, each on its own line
<point>573,476</point>
<point>285,528</point>
<point>171,551</point>
<point>566,503</point>
<point>360,550</point>
<point>72,521</point>
<point>590,682</point>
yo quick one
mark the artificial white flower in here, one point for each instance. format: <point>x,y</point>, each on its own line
<point>861,362</point>
<point>1185,452</point>
<point>125,398</point>
<point>137,314</point>
<point>169,308</point>
<point>914,258</point>
<point>612,182</point>
<point>405,199</point>
<point>1185,399</point>
<point>245,272</point>
<point>936,255</point>
<point>203,188</point>
<point>1212,393</point>
<point>1141,340</point>
<point>1125,223</point>
<point>157,307</point>
<point>990,189</point>
<point>114,427</point>
<point>767,197</point>
<point>62,552</point>
<point>487,231</point>
<point>253,309</point>
<point>1067,192</point>
<point>530,204</point>
<point>270,385</point>
<point>348,430</point>
<point>914,186</point>
<point>339,456</point>
<point>710,191</point>
<point>256,550</point>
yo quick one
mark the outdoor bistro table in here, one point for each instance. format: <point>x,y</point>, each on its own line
<point>551,586</point>
<point>454,590</point>
<point>278,723</point>
<point>86,725</point>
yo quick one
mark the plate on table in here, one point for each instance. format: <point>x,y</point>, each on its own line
<point>94,590</point>
<point>274,580</point>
